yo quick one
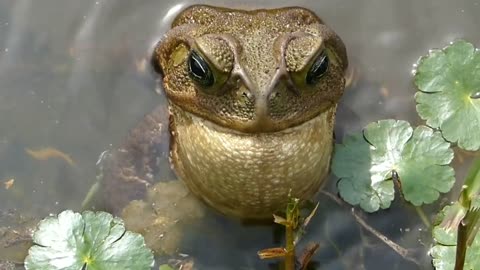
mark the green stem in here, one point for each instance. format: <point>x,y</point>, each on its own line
<point>90,195</point>
<point>461,246</point>
<point>292,215</point>
<point>423,217</point>
<point>290,247</point>
<point>472,184</point>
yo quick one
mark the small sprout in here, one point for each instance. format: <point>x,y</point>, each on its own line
<point>293,213</point>
<point>294,227</point>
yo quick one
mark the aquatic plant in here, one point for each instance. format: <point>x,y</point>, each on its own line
<point>90,241</point>
<point>385,157</point>
<point>295,225</point>
<point>388,152</point>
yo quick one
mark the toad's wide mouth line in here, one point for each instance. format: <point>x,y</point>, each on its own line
<point>222,129</point>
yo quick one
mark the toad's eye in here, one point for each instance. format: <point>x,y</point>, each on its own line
<point>199,70</point>
<point>318,69</point>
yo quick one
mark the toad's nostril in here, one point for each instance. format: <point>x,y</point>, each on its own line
<point>246,94</point>
<point>243,92</point>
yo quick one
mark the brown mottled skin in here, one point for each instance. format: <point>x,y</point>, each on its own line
<point>260,131</point>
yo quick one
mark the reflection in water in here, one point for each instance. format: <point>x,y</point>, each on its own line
<point>68,80</point>
<point>83,40</point>
<point>171,13</point>
<point>16,26</point>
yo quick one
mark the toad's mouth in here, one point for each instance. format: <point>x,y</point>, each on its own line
<point>198,120</point>
<point>261,124</point>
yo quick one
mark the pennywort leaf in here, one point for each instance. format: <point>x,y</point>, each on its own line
<point>90,241</point>
<point>365,163</point>
<point>449,96</point>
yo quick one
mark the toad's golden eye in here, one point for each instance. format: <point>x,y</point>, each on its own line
<point>318,69</point>
<point>199,70</point>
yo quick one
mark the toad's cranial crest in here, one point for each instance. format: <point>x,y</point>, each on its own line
<point>252,98</point>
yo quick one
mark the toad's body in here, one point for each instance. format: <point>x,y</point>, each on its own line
<point>252,97</point>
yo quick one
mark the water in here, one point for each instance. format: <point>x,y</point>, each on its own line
<point>71,78</point>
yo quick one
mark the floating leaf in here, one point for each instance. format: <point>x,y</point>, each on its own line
<point>366,162</point>
<point>90,241</point>
<point>449,96</point>
<point>443,252</point>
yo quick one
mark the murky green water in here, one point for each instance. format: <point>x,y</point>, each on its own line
<point>70,78</point>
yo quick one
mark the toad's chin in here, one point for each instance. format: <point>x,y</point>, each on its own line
<point>250,175</point>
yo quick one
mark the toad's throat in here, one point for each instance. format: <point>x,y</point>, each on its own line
<point>250,175</point>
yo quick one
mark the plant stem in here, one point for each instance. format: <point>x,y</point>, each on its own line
<point>92,192</point>
<point>423,217</point>
<point>290,247</point>
<point>397,248</point>
<point>461,246</point>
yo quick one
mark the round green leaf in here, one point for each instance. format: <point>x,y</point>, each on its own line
<point>96,241</point>
<point>365,163</point>
<point>444,251</point>
<point>449,84</point>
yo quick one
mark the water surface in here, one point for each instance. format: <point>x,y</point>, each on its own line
<point>71,78</point>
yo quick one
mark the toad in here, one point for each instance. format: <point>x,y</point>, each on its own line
<point>252,97</point>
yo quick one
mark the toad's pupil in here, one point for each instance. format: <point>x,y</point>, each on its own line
<point>318,69</point>
<point>199,70</point>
